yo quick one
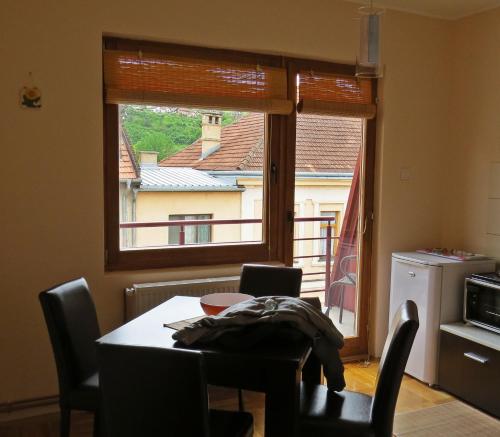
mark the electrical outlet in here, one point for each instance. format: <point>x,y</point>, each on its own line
<point>405,173</point>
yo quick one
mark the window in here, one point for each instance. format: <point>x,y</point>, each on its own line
<point>333,224</point>
<point>205,95</point>
<point>196,130</point>
<point>190,234</point>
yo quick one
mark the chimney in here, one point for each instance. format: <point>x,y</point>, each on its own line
<point>211,128</point>
<point>148,158</point>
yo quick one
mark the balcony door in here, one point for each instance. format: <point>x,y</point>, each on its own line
<point>333,199</point>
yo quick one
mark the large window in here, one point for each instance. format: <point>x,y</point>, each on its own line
<point>207,137</point>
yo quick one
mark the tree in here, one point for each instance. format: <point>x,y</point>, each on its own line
<point>155,141</point>
<point>165,130</point>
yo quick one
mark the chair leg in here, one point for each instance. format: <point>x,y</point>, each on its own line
<point>341,304</point>
<point>241,404</point>
<point>65,424</point>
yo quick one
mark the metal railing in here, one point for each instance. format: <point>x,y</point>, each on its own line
<point>182,236</point>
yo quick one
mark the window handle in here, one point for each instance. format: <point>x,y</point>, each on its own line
<point>274,172</point>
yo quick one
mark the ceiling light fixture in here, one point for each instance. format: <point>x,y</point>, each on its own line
<point>368,62</point>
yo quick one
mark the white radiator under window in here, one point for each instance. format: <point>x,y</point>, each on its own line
<point>142,297</point>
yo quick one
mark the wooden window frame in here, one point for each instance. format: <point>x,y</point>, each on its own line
<point>271,247</point>
<point>278,184</point>
<point>356,346</point>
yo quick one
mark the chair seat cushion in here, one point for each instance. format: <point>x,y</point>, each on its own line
<point>328,413</point>
<point>230,424</point>
<point>86,395</point>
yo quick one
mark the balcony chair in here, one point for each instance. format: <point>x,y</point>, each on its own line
<point>262,280</point>
<point>71,320</point>
<point>350,414</point>
<point>151,392</point>
<point>348,279</point>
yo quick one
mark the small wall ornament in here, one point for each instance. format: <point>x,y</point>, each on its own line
<point>31,96</point>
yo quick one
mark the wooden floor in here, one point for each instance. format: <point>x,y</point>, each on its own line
<point>359,376</point>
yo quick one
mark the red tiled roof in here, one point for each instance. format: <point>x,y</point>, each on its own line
<point>324,144</point>
<point>128,166</point>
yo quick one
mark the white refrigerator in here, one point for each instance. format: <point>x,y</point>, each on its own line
<point>436,284</point>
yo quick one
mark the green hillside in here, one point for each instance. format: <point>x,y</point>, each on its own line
<point>164,130</point>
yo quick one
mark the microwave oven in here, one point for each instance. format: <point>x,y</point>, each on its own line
<point>482,301</point>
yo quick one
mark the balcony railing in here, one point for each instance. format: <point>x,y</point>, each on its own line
<point>328,220</point>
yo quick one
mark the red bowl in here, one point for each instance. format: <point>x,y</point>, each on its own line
<point>214,303</point>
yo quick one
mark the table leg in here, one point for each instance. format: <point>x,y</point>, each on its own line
<point>282,404</point>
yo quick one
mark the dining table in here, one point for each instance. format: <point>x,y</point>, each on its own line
<point>274,368</point>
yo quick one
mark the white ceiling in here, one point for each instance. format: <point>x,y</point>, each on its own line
<point>447,9</point>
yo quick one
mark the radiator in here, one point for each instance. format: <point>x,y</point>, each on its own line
<point>142,297</point>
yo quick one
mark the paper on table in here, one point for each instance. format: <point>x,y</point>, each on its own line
<point>182,323</point>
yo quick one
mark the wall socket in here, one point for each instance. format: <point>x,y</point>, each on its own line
<point>405,173</point>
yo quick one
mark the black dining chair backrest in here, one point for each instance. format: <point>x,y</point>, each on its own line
<point>393,361</point>
<point>151,392</point>
<point>262,280</point>
<point>71,320</point>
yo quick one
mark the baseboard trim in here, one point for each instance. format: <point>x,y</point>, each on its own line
<point>24,404</point>
<point>363,357</point>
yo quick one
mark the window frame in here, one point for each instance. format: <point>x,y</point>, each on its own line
<point>278,183</point>
<point>270,249</point>
<point>355,346</point>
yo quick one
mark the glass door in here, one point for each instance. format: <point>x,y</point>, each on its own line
<point>333,192</point>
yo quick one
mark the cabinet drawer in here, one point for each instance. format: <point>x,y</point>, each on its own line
<point>470,371</point>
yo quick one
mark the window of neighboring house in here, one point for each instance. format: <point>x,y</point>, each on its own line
<point>296,236</point>
<point>333,224</point>
<point>193,234</point>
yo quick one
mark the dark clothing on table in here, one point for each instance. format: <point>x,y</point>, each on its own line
<point>272,317</point>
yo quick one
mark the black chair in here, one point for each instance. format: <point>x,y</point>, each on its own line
<point>261,280</point>
<point>349,414</point>
<point>152,392</point>
<point>72,323</point>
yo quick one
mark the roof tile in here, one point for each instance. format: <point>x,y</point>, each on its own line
<point>324,144</point>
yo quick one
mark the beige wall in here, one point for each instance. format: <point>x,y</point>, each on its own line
<point>52,158</point>
<point>475,136</point>
<point>412,134</point>
<point>158,206</point>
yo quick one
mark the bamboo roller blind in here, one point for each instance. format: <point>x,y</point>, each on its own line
<point>158,79</point>
<point>330,94</point>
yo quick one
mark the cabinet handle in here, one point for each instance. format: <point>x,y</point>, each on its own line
<point>411,274</point>
<point>475,357</point>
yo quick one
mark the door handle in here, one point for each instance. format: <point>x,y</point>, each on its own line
<point>476,357</point>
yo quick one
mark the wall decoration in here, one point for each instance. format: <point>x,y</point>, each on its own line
<point>31,97</point>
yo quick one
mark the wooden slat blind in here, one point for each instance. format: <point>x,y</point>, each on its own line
<point>331,94</point>
<point>159,79</point>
